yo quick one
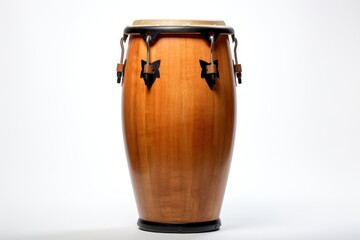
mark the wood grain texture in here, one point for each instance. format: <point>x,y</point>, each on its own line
<point>179,134</point>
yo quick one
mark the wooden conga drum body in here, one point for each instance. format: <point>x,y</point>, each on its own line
<point>179,129</point>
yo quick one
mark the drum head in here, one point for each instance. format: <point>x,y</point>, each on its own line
<point>177,22</point>
<point>153,28</point>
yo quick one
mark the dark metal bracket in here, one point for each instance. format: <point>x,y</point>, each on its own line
<point>149,78</point>
<point>149,71</point>
<point>210,78</point>
<point>210,71</point>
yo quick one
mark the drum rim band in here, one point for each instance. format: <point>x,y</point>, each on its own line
<point>154,31</point>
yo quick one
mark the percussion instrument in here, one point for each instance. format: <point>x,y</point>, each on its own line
<point>178,109</point>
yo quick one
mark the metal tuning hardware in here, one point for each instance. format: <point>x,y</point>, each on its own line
<point>149,71</point>
<point>120,69</point>
<point>237,67</point>
<point>209,71</point>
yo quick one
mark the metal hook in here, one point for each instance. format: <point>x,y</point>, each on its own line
<point>212,49</point>
<point>121,66</point>
<point>235,47</point>
<point>122,50</point>
<point>148,39</point>
<point>237,66</point>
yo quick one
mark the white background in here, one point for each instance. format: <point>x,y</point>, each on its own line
<point>295,169</point>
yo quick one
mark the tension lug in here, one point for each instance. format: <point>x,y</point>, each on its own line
<point>120,72</point>
<point>237,71</point>
<point>209,72</point>
<point>149,72</point>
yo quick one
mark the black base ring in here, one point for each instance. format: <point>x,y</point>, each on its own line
<point>196,227</point>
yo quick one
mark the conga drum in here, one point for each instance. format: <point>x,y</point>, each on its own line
<point>178,109</point>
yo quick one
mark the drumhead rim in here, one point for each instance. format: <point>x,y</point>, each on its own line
<point>177,27</point>
<point>177,22</point>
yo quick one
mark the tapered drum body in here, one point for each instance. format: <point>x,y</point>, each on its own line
<point>178,132</point>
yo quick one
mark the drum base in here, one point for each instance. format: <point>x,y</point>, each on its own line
<point>196,227</point>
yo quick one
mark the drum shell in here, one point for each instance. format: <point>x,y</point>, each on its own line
<point>179,134</point>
